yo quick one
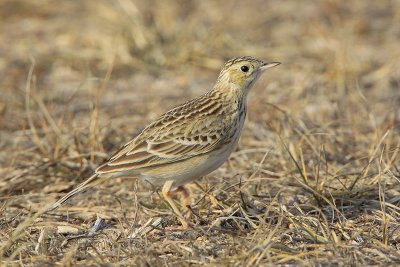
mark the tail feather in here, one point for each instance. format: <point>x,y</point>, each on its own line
<point>90,182</point>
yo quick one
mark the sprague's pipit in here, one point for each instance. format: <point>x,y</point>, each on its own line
<point>188,141</point>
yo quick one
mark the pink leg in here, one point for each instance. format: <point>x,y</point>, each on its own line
<point>166,192</point>
<point>185,200</point>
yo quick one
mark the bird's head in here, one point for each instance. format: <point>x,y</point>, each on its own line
<point>241,73</point>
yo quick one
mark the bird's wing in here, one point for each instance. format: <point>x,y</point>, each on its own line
<point>195,128</point>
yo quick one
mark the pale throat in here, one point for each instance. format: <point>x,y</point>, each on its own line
<point>232,89</point>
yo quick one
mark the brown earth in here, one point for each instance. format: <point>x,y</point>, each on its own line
<point>315,179</point>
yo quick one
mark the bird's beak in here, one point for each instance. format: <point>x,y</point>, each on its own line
<point>268,65</point>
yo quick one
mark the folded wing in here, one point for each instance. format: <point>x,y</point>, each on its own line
<point>173,137</point>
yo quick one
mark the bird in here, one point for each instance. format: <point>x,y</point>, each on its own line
<point>187,142</point>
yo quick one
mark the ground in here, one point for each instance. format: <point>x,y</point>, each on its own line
<point>315,179</point>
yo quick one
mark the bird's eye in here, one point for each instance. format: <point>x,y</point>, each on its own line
<point>244,68</point>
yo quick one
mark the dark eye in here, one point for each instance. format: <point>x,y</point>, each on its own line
<point>244,68</point>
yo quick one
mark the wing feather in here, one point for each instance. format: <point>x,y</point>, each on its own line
<point>174,137</point>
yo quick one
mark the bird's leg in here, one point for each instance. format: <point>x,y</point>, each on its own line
<point>185,200</point>
<point>166,192</point>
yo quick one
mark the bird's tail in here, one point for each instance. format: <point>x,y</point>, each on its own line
<point>90,182</point>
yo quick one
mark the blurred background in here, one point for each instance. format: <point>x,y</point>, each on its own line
<point>79,78</point>
<point>136,59</point>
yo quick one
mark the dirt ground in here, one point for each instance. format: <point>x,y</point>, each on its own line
<point>314,181</point>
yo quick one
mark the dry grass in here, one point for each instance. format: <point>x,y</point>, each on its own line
<point>314,181</point>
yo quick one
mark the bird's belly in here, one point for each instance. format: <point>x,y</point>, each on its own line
<point>186,171</point>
